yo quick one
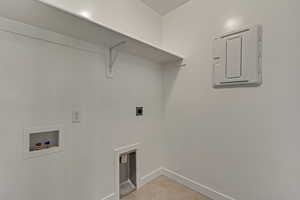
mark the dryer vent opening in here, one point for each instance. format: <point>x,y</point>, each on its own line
<point>128,176</point>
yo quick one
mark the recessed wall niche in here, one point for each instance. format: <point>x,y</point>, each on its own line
<point>40,141</point>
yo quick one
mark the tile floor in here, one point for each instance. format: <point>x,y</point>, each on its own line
<point>163,188</point>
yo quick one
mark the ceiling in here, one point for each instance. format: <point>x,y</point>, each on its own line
<point>164,6</point>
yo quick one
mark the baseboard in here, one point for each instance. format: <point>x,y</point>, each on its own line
<point>151,176</point>
<point>207,191</point>
<point>109,197</point>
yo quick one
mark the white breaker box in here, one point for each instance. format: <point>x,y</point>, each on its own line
<point>237,58</point>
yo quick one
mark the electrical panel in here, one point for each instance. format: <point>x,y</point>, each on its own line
<point>237,58</point>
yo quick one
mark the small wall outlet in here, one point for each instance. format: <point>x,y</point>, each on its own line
<point>139,111</point>
<point>76,116</point>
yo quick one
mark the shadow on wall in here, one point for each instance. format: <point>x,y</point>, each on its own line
<point>170,75</point>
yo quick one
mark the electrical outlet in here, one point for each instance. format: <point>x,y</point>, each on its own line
<point>76,116</point>
<point>139,111</point>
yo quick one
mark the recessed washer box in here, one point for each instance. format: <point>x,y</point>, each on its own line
<point>40,141</point>
<point>237,57</point>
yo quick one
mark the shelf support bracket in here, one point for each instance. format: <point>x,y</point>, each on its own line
<point>112,59</point>
<point>178,63</point>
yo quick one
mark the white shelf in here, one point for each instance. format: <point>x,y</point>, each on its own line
<point>48,17</point>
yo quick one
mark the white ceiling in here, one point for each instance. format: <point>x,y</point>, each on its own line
<point>164,6</point>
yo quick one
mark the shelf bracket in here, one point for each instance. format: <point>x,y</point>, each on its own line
<point>112,59</point>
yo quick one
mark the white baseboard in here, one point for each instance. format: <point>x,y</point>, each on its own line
<point>151,176</point>
<point>109,197</point>
<point>207,191</point>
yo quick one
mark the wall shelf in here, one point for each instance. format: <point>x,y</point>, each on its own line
<point>48,17</point>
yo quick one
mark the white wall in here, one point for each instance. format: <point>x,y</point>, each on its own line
<point>131,17</point>
<point>40,84</point>
<point>243,142</point>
